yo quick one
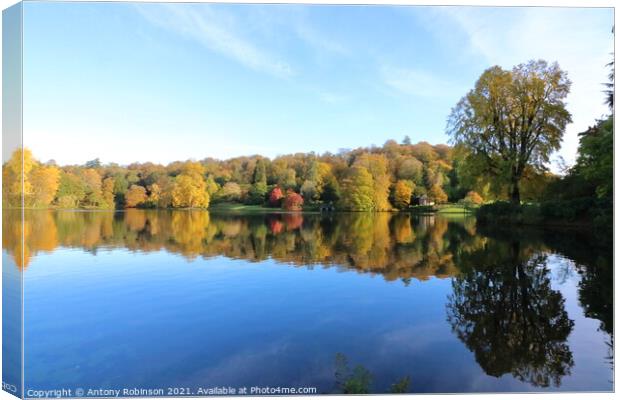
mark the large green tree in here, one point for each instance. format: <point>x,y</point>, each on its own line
<point>595,161</point>
<point>513,119</point>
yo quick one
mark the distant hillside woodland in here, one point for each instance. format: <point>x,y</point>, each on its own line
<point>365,179</point>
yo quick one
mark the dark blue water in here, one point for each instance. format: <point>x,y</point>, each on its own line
<point>137,306</point>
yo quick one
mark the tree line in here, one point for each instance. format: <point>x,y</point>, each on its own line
<point>373,178</point>
<point>503,133</point>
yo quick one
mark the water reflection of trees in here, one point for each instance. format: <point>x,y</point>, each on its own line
<point>504,309</point>
<point>397,246</point>
<point>593,257</point>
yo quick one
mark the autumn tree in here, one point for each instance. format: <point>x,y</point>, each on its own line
<point>45,181</point>
<point>154,196</point>
<point>231,191</point>
<point>212,186</point>
<point>275,198</point>
<point>161,192</point>
<point>16,186</point>
<point>473,198</point>
<point>358,190</point>
<point>376,165</point>
<point>71,190</point>
<point>189,191</point>
<point>437,194</point>
<point>403,190</point>
<point>424,152</point>
<point>136,196</point>
<point>92,185</point>
<point>107,189</point>
<point>292,201</point>
<point>410,168</point>
<point>513,119</point>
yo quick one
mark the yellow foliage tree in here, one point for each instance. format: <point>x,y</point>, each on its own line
<point>45,181</point>
<point>437,194</point>
<point>135,196</point>
<point>107,189</point>
<point>92,181</point>
<point>377,165</point>
<point>402,193</point>
<point>190,191</point>
<point>154,194</point>
<point>193,169</point>
<point>15,178</point>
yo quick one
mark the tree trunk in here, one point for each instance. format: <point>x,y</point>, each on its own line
<point>515,195</point>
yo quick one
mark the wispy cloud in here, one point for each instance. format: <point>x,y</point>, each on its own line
<point>217,31</point>
<point>319,40</point>
<point>295,22</point>
<point>417,82</point>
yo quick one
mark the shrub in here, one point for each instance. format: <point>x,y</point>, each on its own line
<point>472,198</point>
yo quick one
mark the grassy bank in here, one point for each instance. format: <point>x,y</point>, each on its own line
<point>456,209</point>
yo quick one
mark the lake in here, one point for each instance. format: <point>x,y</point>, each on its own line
<point>189,299</point>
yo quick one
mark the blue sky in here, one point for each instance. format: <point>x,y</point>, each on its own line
<point>162,82</point>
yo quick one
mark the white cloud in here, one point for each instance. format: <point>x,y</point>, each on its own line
<point>580,40</point>
<point>216,30</point>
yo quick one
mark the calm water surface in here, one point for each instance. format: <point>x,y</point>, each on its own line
<point>157,299</point>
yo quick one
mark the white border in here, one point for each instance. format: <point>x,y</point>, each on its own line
<point>538,3</point>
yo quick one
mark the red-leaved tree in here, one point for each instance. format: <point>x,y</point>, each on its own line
<point>275,197</point>
<point>293,201</point>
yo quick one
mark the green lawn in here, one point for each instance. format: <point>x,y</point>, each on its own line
<point>454,209</point>
<point>240,207</point>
